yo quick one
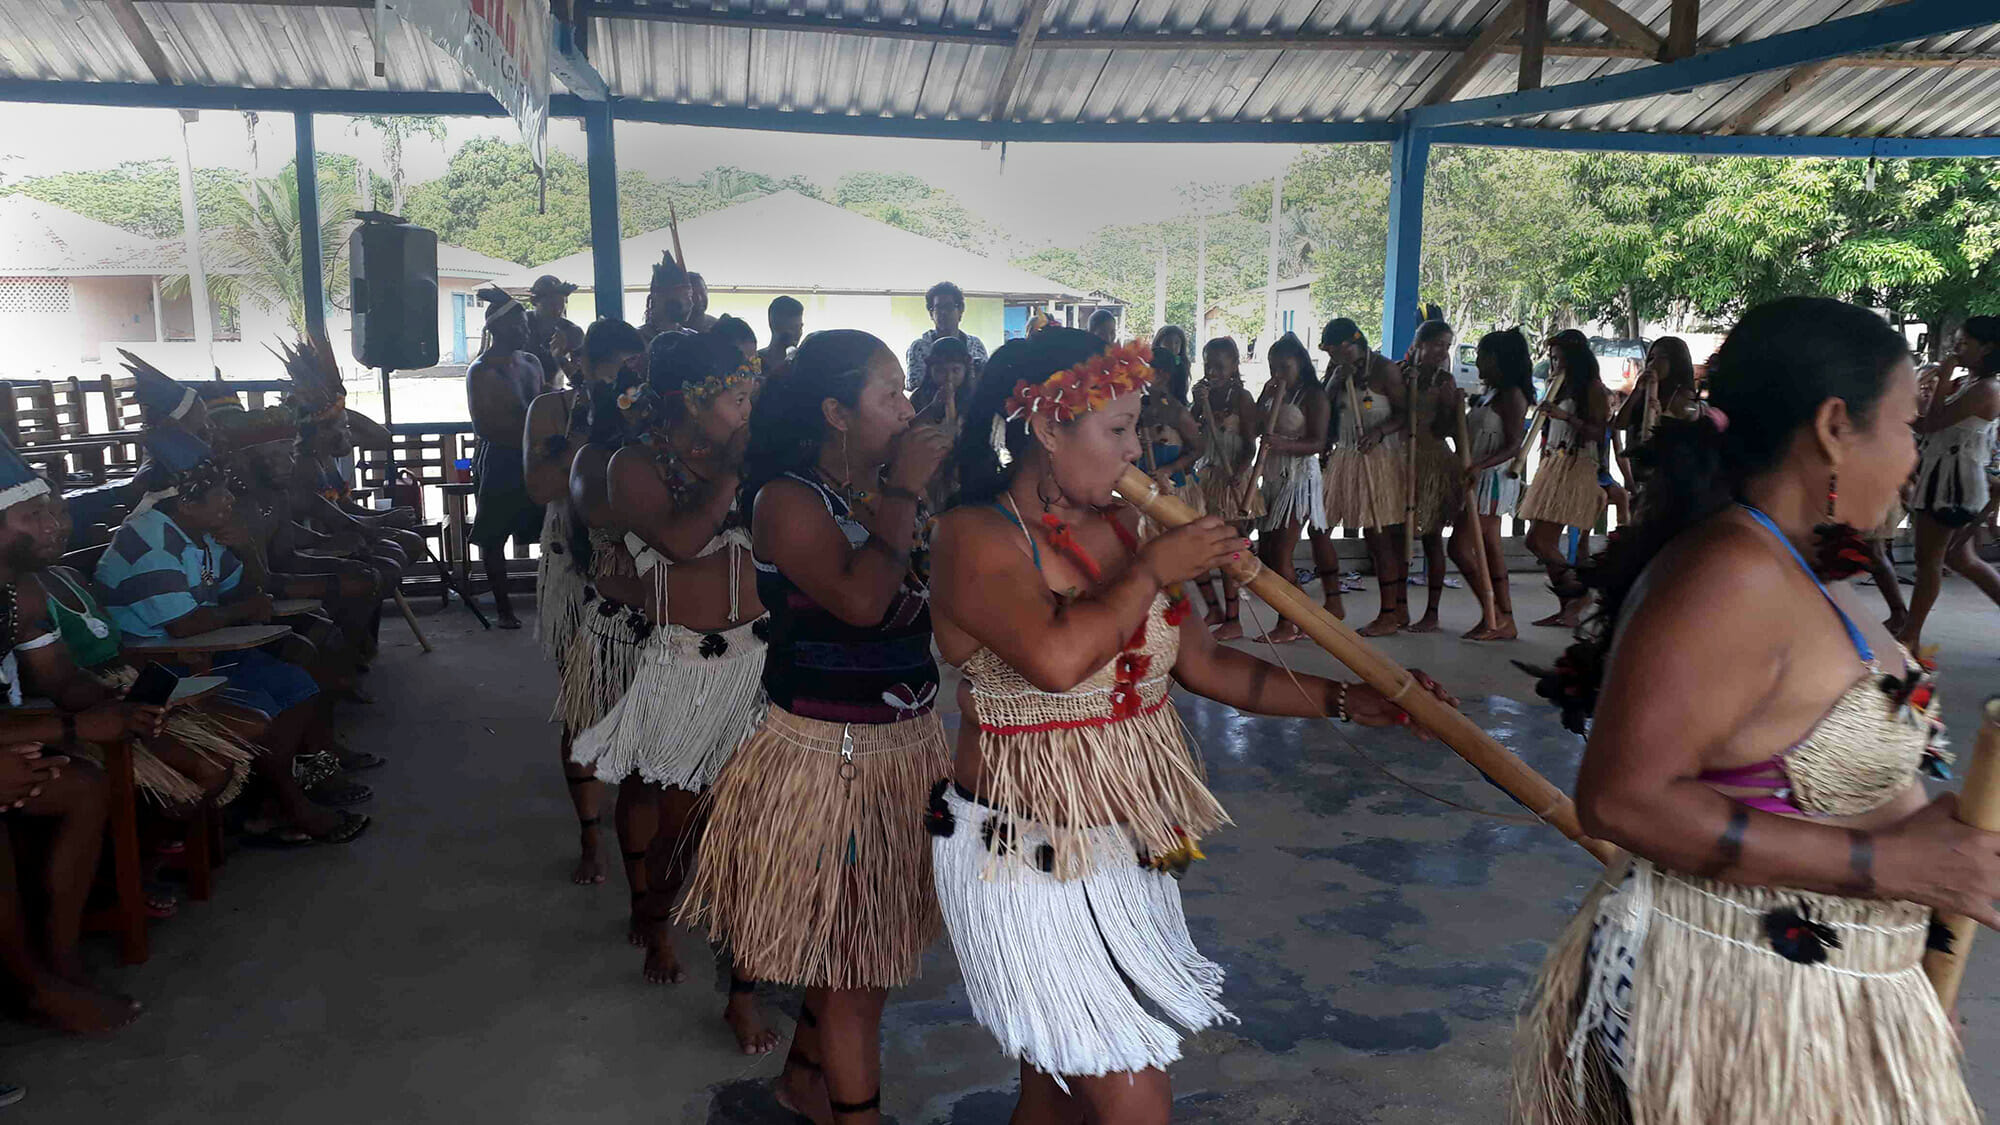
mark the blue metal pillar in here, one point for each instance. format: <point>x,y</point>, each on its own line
<point>1409,159</point>
<point>601,155</point>
<point>311,267</point>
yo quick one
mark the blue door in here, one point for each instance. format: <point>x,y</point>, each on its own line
<point>458,328</point>
<point>1016,321</point>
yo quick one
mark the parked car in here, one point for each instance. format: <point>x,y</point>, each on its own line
<point>1619,362</point>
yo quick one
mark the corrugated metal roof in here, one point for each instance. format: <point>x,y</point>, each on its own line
<point>740,54</point>
<point>846,253</point>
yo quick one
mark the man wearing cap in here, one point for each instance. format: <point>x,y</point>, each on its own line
<point>499,388</point>
<point>787,319</point>
<point>946,304</point>
<point>166,573</point>
<point>550,330</point>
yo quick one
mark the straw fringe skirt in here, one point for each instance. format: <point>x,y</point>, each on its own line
<point>200,732</point>
<point>1703,1021</point>
<point>1294,492</point>
<point>558,585</point>
<point>1063,972</point>
<point>599,662</point>
<point>1565,489</point>
<point>693,699</point>
<point>1439,492</point>
<point>1364,490</point>
<point>815,867</point>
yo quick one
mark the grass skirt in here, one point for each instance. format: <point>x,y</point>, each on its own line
<point>1062,972</point>
<point>599,662</point>
<point>815,867</point>
<point>1565,490</point>
<point>1725,1030</point>
<point>1439,492</point>
<point>558,585</point>
<point>694,698</point>
<point>1365,490</point>
<point>1293,493</point>
<point>200,732</point>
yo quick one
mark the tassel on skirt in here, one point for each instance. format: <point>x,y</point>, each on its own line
<point>1224,496</point>
<point>1497,493</point>
<point>1735,1005</point>
<point>1365,490</point>
<point>599,662</point>
<point>1293,493</point>
<point>815,867</point>
<point>558,585</point>
<point>695,696</point>
<point>1565,490</point>
<point>204,734</point>
<point>1063,971</point>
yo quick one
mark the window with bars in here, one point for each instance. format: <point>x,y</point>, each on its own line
<point>34,295</point>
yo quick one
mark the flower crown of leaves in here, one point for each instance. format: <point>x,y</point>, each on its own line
<point>1088,386</point>
<point>698,395</point>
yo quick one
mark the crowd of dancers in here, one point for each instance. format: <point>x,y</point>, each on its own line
<point>754,560</point>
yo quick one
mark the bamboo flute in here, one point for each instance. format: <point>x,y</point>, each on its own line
<point>1519,466</point>
<point>1473,530</point>
<point>1501,766</point>
<point>1978,806</point>
<point>1409,468</point>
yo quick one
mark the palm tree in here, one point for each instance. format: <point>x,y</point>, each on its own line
<point>257,248</point>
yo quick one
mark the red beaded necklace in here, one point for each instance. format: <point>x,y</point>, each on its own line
<point>1131,664</point>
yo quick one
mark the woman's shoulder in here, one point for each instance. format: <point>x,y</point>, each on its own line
<point>1722,569</point>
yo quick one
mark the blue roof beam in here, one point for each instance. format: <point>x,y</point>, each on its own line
<point>1914,19</point>
<point>1703,144</point>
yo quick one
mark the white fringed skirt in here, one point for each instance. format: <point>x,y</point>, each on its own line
<point>1293,493</point>
<point>1063,972</point>
<point>694,697</point>
<point>558,585</point>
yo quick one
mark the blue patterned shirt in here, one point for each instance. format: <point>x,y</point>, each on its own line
<point>153,572</point>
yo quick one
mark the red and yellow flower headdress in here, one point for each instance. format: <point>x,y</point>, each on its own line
<point>1088,386</point>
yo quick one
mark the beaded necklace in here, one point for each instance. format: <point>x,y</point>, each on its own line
<point>1132,663</point>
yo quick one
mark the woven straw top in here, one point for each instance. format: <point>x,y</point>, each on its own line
<point>1008,702</point>
<point>1861,755</point>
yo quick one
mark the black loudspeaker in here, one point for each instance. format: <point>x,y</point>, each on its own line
<point>392,270</point>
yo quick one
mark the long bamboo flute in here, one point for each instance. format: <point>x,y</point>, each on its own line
<point>1979,806</point>
<point>410,616</point>
<point>1409,469</point>
<point>1535,792</point>
<point>1474,530</point>
<point>1519,465</point>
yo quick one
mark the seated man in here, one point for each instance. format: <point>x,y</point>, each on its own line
<point>165,574</point>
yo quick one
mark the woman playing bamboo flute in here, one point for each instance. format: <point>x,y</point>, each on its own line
<point>1496,425</point>
<point>1756,744</point>
<point>814,866</point>
<point>1075,796</point>
<point>1434,410</point>
<point>1365,482</point>
<point>1294,412</point>
<point>557,427</point>
<point>1564,491</point>
<point>698,689</point>
<point>1228,472</point>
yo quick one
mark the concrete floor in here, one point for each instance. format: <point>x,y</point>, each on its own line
<point>443,969</point>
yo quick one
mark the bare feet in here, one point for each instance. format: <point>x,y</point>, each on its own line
<point>1427,624</point>
<point>589,868</point>
<point>1286,633</point>
<point>1212,618</point>
<point>1385,624</point>
<point>1505,631</point>
<point>81,1010</point>
<point>1334,607</point>
<point>507,620</point>
<point>802,1090</point>
<point>662,965</point>
<point>741,1014</point>
<point>1229,630</point>
<point>1896,624</point>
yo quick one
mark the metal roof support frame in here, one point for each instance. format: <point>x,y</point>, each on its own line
<point>312,271</point>
<point>1409,161</point>
<point>1701,144</point>
<point>1884,27</point>
<point>600,157</point>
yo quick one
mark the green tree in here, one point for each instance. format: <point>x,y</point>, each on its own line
<point>489,199</point>
<point>255,251</point>
<point>397,131</point>
<point>911,204</point>
<point>142,196</point>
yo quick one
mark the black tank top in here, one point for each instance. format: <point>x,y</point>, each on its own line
<point>820,667</point>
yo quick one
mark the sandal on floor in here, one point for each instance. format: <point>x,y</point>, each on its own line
<point>354,761</point>
<point>351,826</point>
<point>161,905</point>
<point>337,794</point>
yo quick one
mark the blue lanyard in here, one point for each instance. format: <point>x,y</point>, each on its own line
<point>1853,631</point>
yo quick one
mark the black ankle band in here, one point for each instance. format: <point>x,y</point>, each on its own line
<point>738,984</point>
<point>590,822</point>
<point>806,1016</point>
<point>856,1107</point>
<point>579,780</point>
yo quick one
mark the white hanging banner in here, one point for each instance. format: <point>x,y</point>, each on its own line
<point>504,45</point>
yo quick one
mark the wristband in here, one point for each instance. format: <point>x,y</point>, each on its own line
<point>1340,710</point>
<point>897,492</point>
